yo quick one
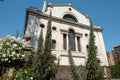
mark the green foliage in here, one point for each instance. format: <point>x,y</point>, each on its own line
<point>49,68</point>
<point>115,70</point>
<point>82,72</point>
<point>45,68</point>
<point>100,76</point>
<point>92,64</point>
<point>38,58</point>
<point>11,49</point>
<point>11,53</point>
<point>13,76</point>
<point>26,74</point>
<point>73,69</point>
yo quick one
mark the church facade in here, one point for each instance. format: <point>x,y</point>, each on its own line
<point>69,27</point>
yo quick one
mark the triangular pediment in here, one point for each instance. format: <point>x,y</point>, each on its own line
<point>59,10</point>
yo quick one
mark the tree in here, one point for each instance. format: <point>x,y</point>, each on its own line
<point>115,70</point>
<point>50,68</point>
<point>38,58</point>
<point>46,65</point>
<point>92,64</point>
<point>73,69</point>
<point>11,53</point>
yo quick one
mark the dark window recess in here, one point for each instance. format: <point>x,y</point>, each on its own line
<point>78,43</point>
<point>70,18</point>
<point>70,9</point>
<point>53,46</point>
<point>96,47</point>
<point>87,46</point>
<point>42,25</point>
<point>64,42</point>
<point>86,34</point>
<point>54,28</point>
<point>72,40</point>
<point>98,60</point>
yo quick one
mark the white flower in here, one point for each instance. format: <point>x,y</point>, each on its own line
<point>25,71</point>
<point>20,48</point>
<point>31,78</point>
<point>2,60</point>
<point>8,43</point>
<point>10,51</point>
<point>13,58</point>
<point>18,55</point>
<point>6,59</point>
<point>23,55</point>
<point>15,45</point>
<point>13,53</point>
<point>3,55</point>
<point>16,76</point>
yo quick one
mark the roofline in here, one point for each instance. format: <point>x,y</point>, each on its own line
<point>117,46</point>
<point>51,5</point>
<point>40,13</point>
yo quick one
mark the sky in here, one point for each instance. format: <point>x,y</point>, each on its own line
<point>105,13</point>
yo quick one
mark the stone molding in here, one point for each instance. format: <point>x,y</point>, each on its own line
<point>35,12</point>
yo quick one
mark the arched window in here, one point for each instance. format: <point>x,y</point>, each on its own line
<point>72,39</point>
<point>70,18</point>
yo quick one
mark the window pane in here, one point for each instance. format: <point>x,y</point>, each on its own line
<point>70,18</point>
<point>72,40</point>
<point>78,43</point>
<point>53,44</point>
<point>64,42</point>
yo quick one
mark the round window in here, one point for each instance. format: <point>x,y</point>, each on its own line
<point>42,25</point>
<point>54,28</point>
<point>70,9</point>
<point>86,34</point>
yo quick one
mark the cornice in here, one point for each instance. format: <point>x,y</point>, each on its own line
<point>36,12</point>
<point>69,5</point>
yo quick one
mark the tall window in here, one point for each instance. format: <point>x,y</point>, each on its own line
<point>72,39</point>
<point>78,43</point>
<point>53,44</point>
<point>64,42</point>
<point>70,17</point>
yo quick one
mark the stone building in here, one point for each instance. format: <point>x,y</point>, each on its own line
<point>110,58</point>
<point>66,21</point>
<point>116,54</point>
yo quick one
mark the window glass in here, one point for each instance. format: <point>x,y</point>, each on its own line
<point>78,43</point>
<point>64,42</point>
<point>53,44</point>
<point>72,40</point>
<point>70,18</point>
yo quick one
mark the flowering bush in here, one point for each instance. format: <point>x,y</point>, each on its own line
<point>27,74</point>
<point>11,48</point>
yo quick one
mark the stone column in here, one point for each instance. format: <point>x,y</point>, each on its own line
<point>76,45</point>
<point>67,37</point>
